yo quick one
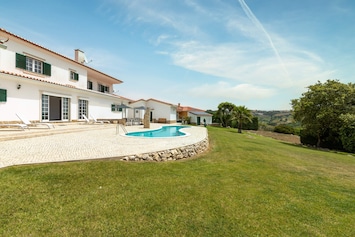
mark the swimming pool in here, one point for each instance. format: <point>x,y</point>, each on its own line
<point>165,131</point>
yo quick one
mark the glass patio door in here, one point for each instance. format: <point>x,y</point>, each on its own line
<point>65,109</point>
<point>45,107</point>
<point>83,108</point>
<point>55,108</point>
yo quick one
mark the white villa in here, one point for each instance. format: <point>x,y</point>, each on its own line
<point>45,86</point>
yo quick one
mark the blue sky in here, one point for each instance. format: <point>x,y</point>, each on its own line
<point>257,53</point>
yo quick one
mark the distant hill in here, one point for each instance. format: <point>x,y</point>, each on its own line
<point>274,117</point>
<point>268,119</point>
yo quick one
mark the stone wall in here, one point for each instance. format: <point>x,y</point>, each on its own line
<point>171,154</point>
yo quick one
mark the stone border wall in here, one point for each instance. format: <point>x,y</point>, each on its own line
<point>171,154</point>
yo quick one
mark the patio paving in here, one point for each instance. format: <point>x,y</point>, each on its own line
<point>75,141</point>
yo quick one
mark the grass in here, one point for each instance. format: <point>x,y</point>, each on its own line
<point>246,185</point>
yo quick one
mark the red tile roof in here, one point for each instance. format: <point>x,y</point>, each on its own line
<point>188,108</point>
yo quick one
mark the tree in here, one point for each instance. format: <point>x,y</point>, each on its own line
<point>215,116</point>
<point>253,125</point>
<point>319,109</point>
<point>242,114</point>
<point>347,132</point>
<point>225,112</point>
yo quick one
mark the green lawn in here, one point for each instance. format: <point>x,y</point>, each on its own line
<point>246,185</point>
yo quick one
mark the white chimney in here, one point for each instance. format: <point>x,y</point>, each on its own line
<point>80,56</point>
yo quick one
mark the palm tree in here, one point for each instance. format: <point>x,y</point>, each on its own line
<point>225,112</point>
<point>242,114</point>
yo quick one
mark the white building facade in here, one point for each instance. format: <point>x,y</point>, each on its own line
<point>200,118</point>
<point>43,85</point>
<point>160,111</point>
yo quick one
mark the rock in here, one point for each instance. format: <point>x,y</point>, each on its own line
<point>172,154</point>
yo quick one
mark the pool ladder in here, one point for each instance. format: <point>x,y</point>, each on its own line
<point>122,127</point>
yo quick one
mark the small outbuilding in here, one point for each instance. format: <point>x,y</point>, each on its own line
<point>199,117</point>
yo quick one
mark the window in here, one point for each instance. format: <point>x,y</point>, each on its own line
<point>113,107</point>
<point>83,108</point>
<point>3,95</point>
<point>32,65</point>
<point>65,108</point>
<point>74,76</point>
<point>103,88</point>
<point>90,85</point>
<point>45,107</point>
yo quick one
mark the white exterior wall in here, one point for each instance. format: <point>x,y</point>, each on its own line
<point>100,107</point>
<point>134,113</point>
<point>60,67</point>
<point>18,101</point>
<point>161,110</point>
<point>138,113</point>
<point>194,118</point>
<point>173,114</point>
<point>157,108</point>
<point>27,100</point>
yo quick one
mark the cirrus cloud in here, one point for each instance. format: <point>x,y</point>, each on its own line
<point>225,90</point>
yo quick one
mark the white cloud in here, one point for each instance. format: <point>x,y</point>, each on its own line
<point>161,39</point>
<point>248,55</point>
<point>246,63</point>
<point>158,14</point>
<point>226,90</point>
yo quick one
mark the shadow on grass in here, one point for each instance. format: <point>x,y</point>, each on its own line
<point>317,148</point>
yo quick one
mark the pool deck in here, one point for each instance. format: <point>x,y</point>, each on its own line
<point>76,141</point>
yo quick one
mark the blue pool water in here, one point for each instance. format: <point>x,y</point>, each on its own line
<point>165,131</point>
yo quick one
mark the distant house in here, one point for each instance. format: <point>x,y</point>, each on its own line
<point>160,111</point>
<point>44,85</point>
<point>196,116</point>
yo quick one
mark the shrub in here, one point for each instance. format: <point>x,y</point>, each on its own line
<point>283,128</point>
<point>187,120</point>
<point>253,125</point>
<point>308,138</point>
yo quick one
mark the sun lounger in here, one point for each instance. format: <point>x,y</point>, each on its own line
<point>29,124</point>
<point>18,125</point>
<point>87,120</point>
<point>96,121</point>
